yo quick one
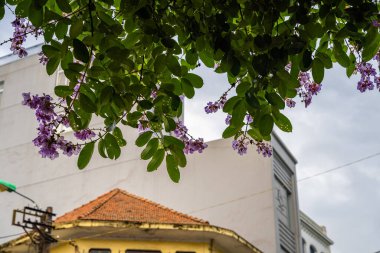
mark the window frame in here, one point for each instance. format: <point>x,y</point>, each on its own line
<point>98,249</point>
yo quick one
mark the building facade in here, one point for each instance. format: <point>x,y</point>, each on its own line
<point>252,195</point>
<point>314,237</point>
<point>121,222</point>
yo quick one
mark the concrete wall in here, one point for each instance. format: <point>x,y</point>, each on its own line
<point>220,186</point>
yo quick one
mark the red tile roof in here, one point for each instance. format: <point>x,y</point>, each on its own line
<point>119,205</point>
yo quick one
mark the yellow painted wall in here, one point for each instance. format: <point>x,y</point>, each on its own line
<point>120,246</point>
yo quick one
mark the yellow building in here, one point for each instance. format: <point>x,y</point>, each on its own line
<point>119,222</point>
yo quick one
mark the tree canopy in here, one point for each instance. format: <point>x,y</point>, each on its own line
<point>131,62</point>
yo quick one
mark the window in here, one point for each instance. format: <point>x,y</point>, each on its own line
<point>313,249</point>
<point>142,251</point>
<point>100,251</point>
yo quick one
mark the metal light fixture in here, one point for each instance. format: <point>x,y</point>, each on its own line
<point>6,186</point>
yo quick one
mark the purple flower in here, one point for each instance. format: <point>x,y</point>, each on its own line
<point>375,23</point>
<point>228,119</point>
<point>143,124</point>
<point>249,119</point>
<point>211,107</point>
<point>290,103</point>
<point>21,29</point>
<point>364,85</point>
<point>193,145</point>
<point>367,72</point>
<point>84,134</point>
<point>43,59</point>
<point>307,89</point>
<point>264,149</point>
<point>68,148</point>
<point>181,131</point>
<point>377,82</point>
<point>377,57</point>
<point>240,145</point>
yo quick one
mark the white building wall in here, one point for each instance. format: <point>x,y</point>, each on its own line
<point>220,186</point>
<point>310,240</point>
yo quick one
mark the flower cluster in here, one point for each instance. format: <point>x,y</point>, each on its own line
<point>191,145</point>
<point>143,124</point>
<point>290,103</point>
<point>212,107</point>
<point>367,72</point>
<point>48,139</point>
<point>43,58</point>
<point>84,134</point>
<point>22,28</point>
<point>307,89</point>
<point>264,148</point>
<point>241,145</point>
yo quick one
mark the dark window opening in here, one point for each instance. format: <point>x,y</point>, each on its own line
<point>100,251</point>
<point>142,251</point>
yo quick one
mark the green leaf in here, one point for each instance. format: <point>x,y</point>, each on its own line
<point>64,6</point>
<point>318,70</point>
<point>169,124</point>
<point>80,51</point>
<point>50,51</point>
<point>150,149</point>
<point>112,147</point>
<point>76,28</point>
<point>173,65</point>
<point>266,124</point>
<point>179,156</point>
<point>195,80</point>
<point>325,59</point>
<point>119,137</point>
<point>192,57</point>
<point>156,161</point>
<point>61,29</point>
<point>52,65</point>
<point>251,99</point>
<point>187,88</point>
<point>106,95</point>
<point>63,91</point>
<point>170,140</point>
<point>229,105</point>
<point>172,168</point>
<point>275,100</point>
<point>86,104</point>
<point>2,12</point>
<point>282,122</point>
<point>159,63</point>
<point>208,61</point>
<point>143,138</point>
<point>85,155</point>
<point>36,15</point>
<point>102,148</point>
<point>242,88</point>
<point>340,56</point>
<point>230,131</point>
<point>238,114</point>
<point>371,45</point>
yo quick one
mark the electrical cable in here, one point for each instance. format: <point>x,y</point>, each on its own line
<point>339,167</point>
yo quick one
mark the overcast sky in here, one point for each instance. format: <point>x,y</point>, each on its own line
<point>339,127</point>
